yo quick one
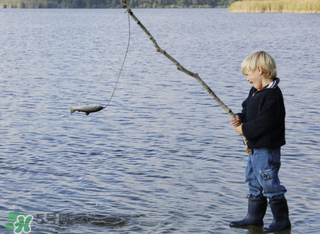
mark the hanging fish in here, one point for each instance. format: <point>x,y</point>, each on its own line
<point>94,108</point>
<point>86,108</point>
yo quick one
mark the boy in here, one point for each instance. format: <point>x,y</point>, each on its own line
<point>262,122</point>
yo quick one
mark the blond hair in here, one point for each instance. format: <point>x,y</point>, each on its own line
<point>260,59</point>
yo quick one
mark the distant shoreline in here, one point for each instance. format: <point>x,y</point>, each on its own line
<point>244,6</point>
<point>113,4</point>
<point>169,7</point>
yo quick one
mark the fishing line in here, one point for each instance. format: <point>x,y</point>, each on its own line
<point>125,56</point>
<point>94,108</point>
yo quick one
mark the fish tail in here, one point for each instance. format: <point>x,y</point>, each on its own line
<point>72,110</point>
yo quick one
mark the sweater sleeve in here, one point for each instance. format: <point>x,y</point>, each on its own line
<point>267,119</point>
<point>242,114</point>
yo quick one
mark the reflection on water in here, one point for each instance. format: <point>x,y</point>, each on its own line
<point>163,157</point>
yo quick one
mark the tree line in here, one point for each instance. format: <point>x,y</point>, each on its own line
<point>114,3</point>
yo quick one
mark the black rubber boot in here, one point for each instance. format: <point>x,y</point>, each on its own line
<point>280,211</point>
<point>257,206</point>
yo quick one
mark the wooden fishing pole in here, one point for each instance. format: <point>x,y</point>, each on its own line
<point>183,69</point>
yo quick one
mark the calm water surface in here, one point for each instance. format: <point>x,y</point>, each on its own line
<point>163,157</point>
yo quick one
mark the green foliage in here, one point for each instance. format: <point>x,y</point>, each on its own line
<point>113,3</point>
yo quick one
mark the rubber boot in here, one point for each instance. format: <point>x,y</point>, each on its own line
<point>257,206</point>
<point>280,211</point>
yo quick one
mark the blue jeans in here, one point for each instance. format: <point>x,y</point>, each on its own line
<point>262,173</point>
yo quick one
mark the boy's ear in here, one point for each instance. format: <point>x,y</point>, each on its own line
<point>260,69</point>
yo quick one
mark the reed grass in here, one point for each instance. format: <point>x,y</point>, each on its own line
<point>284,6</point>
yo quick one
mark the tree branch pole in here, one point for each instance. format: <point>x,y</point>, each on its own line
<point>181,68</point>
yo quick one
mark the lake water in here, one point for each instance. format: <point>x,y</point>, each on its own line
<point>163,157</point>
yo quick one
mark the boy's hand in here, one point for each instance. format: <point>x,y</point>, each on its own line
<point>236,122</point>
<point>239,129</point>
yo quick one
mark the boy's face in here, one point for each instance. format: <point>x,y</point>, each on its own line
<point>254,77</point>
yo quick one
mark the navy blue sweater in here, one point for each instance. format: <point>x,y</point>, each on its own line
<point>263,117</point>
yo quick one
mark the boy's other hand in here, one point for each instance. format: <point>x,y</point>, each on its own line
<point>239,129</point>
<point>235,122</point>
